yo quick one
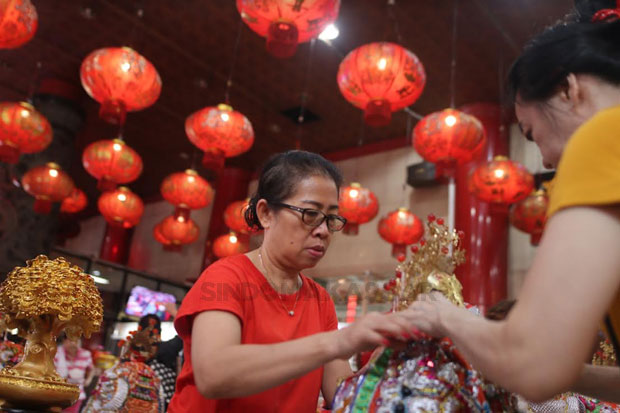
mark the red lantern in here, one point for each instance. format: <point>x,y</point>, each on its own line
<point>121,207</point>
<point>448,137</point>
<point>530,215</point>
<point>229,244</point>
<point>22,130</point>
<point>401,228</point>
<point>111,162</point>
<point>501,181</point>
<point>75,202</point>
<point>234,217</point>
<point>381,78</point>
<point>47,183</point>
<point>186,190</point>
<point>220,132</point>
<point>159,237</point>
<point>121,80</point>
<point>286,23</point>
<point>358,205</point>
<point>179,231</point>
<point>18,23</point>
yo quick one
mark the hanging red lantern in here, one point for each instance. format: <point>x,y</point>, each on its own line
<point>530,215</point>
<point>121,207</point>
<point>501,181</point>
<point>358,205</point>
<point>381,78</point>
<point>166,243</point>
<point>186,190</point>
<point>448,137</point>
<point>22,130</point>
<point>230,244</point>
<point>220,132</point>
<point>179,231</point>
<point>121,80</point>
<point>286,23</point>
<point>47,183</point>
<point>112,162</point>
<point>18,23</point>
<point>401,228</point>
<point>75,202</point>
<point>234,217</point>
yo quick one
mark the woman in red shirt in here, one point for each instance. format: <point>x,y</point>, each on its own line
<point>258,335</point>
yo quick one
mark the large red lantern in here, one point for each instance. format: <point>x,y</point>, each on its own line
<point>234,217</point>
<point>75,202</point>
<point>179,231</point>
<point>285,23</point>
<point>186,190</point>
<point>230,244</point>
<point>121,80</point>
<point>401,228</point>
<point>530,215</point>
<point>22,130</point>
<point>220,132</point>
<point>448,137</point>
<point>501,181</point>
<point>112,162</point>
<point>47,183</point>
<point>381,78</point>
<point>121,207</point>
<point>358,205</point>
<point>18,23</point>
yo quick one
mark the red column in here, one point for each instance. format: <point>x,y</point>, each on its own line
<point>232,185</point>
<point>484,274</point>
<point>115,244</point>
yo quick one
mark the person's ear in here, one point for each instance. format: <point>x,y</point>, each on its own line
<point>264,213</point>
<point>572,91</point>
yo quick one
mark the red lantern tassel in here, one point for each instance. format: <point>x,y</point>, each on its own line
<point>8,153</point>
<point>181,212</point>
<point>213,159</point>
<point>535,238</point>
<point>378,113</point>
<point>113,111</point>
<point>399,250</point>
<point>42,206</point>
<point>351,228</point>
<point>282,38</point>
<point>105,185</point>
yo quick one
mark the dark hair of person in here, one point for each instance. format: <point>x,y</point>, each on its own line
<point>281,174</point>
<point>500,310</point>
<point>575,45</point>
<point>145,321</point>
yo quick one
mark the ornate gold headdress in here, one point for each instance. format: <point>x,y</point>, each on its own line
<point>431,268</point>
<point>140,345</point>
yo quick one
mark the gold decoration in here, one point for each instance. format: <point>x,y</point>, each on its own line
<point>432,267</point>
<point>605,355</point>
<point>141,345</point>
<point>42,300</point>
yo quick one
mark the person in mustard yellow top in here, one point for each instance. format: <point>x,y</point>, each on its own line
<point>566,88</point>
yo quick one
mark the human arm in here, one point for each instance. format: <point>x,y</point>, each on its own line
<point>600,382</point>
<point>224,368</point>
<point>333,372</point>
<point>538,351</point>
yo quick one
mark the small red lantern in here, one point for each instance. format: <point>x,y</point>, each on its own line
<point>121,207</point>
<point>358,205</point>
<point>121,80</point>
<point>220,132</point>
<point>22,130</point>
<point>75,202</point>
<point>111,162</point>
<point>159,237</point>
<point>286,23</point>
<point>18,23</point>
<point>381,78</point>
<point>47,183</point>
<point>229,244</point>
<point>234,217</point>
<point>186,190</point>
<point>448,137</point>
<point>530,215</point>
<point>179,231</point>
<point>501,181</point>
<point>401,228</point>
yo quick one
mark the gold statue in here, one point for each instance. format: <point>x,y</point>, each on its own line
<point>42,300</point>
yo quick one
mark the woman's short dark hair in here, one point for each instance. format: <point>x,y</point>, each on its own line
<point>281,174</point>
<point>575,45</point>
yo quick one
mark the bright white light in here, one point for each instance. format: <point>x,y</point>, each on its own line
<point>232,239</point>
<point>382,64</point>
<point>329,33</point>
<point>499,173</point>
<point>402,214</point>
<point>122,197</point>
<point>450,120</point>
<point>225,116</point>
<point>125,66</point>
<point>117,147</point>
<point>181,218</point>
<point>96,272</point>
<point>25,113</point>
<point>53,173</point>
<point>100,280</point>
<point>191,178</point>
<point>353,193</point>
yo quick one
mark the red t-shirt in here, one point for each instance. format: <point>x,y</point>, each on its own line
<point>234,284</point>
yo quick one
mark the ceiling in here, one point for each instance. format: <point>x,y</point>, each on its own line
<point>192,42</point>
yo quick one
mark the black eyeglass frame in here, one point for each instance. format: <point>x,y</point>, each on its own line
<point>326,217</point>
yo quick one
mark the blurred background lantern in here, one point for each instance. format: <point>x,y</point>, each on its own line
<point>234,217</point>
<point>179,231</point>
<point>186,190</point>
<point>112,162</point>
<point>47,184</point>
<point>530,215</point>
<point>358,205</point>
<point>501,181</point>
<point>18,23</point>
<point>229,244</point>
<point>22,130</point>
<point>401,228</point>
<point>121,207</point>
<point>75,202</point>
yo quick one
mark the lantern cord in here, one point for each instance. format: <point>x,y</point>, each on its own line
<point>360,143</point>
<point>33,82</point>
<point>392,18</point>
<point>455,13</point>
<point>233,62</point>
<point>304,95</point>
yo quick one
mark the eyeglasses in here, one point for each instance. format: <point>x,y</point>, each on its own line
<point>314,217</point>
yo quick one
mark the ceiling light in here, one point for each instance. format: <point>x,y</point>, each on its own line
<point>329,33</point>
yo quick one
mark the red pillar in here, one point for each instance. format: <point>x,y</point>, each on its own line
<point>232,185</point>
<point>116,243</point>
<point>484,274</point>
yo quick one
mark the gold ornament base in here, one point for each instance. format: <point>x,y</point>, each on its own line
<point>35,394</point>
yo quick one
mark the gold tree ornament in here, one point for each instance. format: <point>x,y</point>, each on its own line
<point>41,300</point>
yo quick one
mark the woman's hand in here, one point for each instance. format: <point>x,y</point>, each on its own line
<point>428,312</point>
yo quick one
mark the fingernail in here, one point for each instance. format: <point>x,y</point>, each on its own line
<point>385,342</point>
